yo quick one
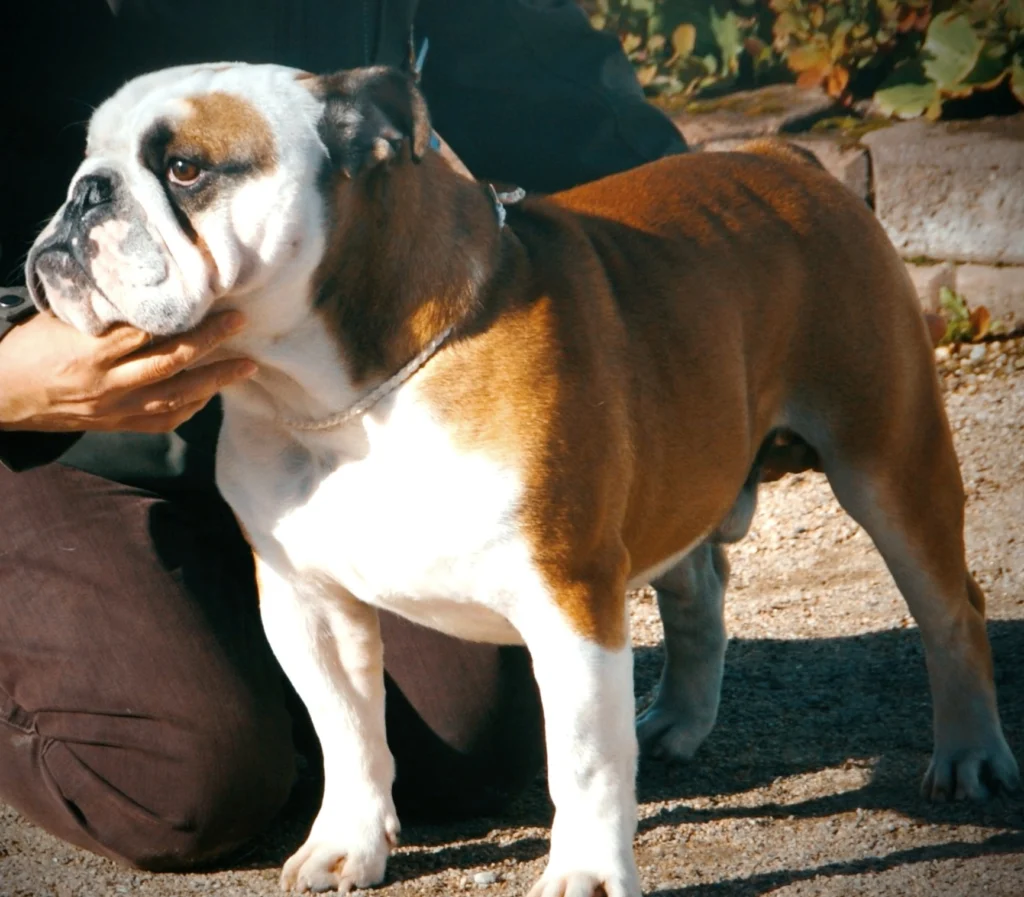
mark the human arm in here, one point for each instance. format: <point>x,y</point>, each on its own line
<point>56,382</point>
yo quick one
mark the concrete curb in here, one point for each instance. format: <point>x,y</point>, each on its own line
<point>952,190</point>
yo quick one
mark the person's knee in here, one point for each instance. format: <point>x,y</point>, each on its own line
<point>221,795</point>
<point>172,744</point>
<point>452,767</point>
<point>152,794</point>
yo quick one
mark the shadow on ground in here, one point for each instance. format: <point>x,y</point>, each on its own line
<point>756,885</point>
<point>796,707</point>
<point>788,708</point>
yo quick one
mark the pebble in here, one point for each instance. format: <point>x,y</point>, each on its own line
<point>978,352</point>
<point>482,879</point>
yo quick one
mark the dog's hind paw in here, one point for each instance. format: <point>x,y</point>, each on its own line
<point>584,884</point>
<point>666,734</point>
<point>976,773</point>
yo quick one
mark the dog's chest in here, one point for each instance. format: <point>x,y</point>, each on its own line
<point>393,510</point>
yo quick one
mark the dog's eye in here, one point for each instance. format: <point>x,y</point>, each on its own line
<point>182,172</point>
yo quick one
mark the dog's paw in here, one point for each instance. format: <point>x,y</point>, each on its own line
<point>585,884</point>
<point>666,733</point>
<point>323,864</point>
<point>974,773</point>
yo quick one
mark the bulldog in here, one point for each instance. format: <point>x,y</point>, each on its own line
<point>495,422</point>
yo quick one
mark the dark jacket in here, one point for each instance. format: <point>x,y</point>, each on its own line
<point>525,91</point>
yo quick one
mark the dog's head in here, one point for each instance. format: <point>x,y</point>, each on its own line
<point>208,181</point>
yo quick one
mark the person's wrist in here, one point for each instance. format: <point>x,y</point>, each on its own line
<point>15,306</point>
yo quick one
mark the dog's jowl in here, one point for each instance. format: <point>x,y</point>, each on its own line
<point>494,427</point>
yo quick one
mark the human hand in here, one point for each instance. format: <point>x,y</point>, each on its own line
<point>54,378</point>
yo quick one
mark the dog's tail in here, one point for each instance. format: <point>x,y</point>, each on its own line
<point>780,149</point>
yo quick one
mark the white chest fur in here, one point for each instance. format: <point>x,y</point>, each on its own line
<point>388,507</point>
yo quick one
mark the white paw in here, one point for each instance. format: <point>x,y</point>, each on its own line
<point>972,773</point>
<point>585,884</point>
<point>326,864</point>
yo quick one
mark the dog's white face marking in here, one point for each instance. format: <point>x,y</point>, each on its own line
<point>198,182</point>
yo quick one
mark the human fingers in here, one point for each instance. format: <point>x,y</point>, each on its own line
<point>171,356</point>
<point>163,423</point>
<point>117,342</point>
<point>199,384</point>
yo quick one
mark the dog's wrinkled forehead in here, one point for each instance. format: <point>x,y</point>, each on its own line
<point>215,114</point>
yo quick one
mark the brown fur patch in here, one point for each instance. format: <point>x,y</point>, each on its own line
<point>405,258</point>
<point>596,377</point>
<point>222,128</point>
<point>639,340</point>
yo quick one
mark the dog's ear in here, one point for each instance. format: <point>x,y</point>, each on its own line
<point>369,114</point>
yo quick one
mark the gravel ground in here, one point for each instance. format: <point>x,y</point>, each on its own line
<point>809,783</point>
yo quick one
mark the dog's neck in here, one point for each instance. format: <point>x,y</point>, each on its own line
<point>410,248</point>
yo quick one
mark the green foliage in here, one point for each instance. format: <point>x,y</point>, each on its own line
<point>962,324</point>
<point>839,44</point>
<point>683,47</point>
<point>975,45</point>
<point>913,56</point>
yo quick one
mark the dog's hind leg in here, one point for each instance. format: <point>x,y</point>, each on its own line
<point>903,486</point>
<point>690,599</point>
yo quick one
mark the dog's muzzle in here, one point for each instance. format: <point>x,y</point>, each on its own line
<point>67,252</point>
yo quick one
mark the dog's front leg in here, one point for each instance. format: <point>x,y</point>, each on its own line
<point>587,693</point>
<point>330,647</point>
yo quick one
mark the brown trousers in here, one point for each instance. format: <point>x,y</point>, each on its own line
<point>142,714</point>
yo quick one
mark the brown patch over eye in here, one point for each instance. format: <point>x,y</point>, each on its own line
<point>224,129</point>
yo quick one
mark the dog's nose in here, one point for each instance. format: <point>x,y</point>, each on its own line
<point>92,190</point>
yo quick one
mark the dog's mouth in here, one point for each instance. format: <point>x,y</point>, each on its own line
<point>36,290</point>
<point>58,260</point>
<point>59,280</point>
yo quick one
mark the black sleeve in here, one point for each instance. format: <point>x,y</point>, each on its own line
<point>527,92</point>
<point>20,450</point>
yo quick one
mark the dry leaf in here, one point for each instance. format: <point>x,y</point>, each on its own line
<point>645,74</point>
<point>837,80</point>
<point>813,77</point>
<point>981,320</point>
<point>684,39</point>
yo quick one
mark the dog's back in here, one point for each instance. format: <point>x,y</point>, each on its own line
<point>780,149</point>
